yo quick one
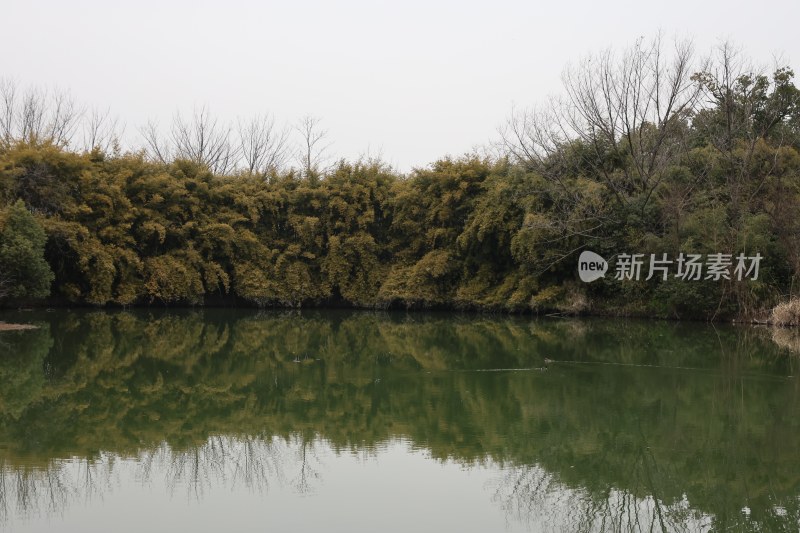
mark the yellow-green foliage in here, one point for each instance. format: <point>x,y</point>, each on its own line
<point>467,233</point>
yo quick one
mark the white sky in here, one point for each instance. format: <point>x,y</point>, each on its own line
<point>411,80</point>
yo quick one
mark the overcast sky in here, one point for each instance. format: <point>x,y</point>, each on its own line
<point>411,80</point>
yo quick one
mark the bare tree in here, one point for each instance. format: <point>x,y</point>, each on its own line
<point>313,145</point>
<point>635,106</point>
<point>718,81</point>
<point>157,147</point>
<point>201,138</point>
<point>37,115</point>
<point>8,98</point>
<point>533,138</point>
<point>101,131</point>
<point>30,122</point>
<point>263,148</point>
<point>63,118</point>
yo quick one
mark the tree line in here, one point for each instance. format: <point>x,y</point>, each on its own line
<point>648,150</point>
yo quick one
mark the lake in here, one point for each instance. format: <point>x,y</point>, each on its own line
<point>238,420</point>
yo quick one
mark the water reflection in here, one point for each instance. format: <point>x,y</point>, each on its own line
<point>533,496</point>
<point>249,463</point>
<point>583,425</point>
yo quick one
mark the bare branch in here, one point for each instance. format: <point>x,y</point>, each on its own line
<point>263,148</point>
<point>8,99</point>
<point>201,139</point>
<point>101,131</point>
<point>36,115</point>
<point>311,154</point>
<point>204,140</point>
<point>157,148</point>
<point>628,110</point>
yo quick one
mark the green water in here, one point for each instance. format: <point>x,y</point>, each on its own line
<point>222,420</point>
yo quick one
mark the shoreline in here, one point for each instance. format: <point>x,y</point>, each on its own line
<point>761,319</point>
<point>10,326</point>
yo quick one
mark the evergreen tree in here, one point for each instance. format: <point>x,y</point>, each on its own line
<point>23,269</point>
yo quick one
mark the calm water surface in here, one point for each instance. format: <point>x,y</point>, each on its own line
<point>223,420</point>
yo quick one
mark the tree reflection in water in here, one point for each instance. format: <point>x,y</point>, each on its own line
<point>223,461</point>
<point>629,426</point>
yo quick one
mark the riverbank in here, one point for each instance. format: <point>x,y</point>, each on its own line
<point>5,326</point>
<point>784,315</point>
